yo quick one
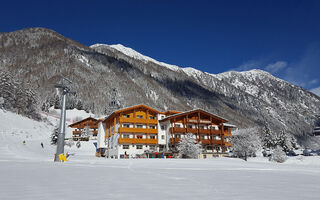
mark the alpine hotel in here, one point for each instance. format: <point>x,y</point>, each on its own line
<point>141,131</point>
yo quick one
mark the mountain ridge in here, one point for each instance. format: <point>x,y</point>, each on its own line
<point>247,99</point>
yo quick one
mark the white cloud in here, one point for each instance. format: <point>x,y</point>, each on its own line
<point>276,67</point>
<point>313,82</point>
<point>316,91</point>
<point>305,71</point>
<point>251,64</point>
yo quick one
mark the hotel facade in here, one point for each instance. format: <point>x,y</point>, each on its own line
<point>140,130</point>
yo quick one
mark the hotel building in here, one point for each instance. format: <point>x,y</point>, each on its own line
<point>140,130</point>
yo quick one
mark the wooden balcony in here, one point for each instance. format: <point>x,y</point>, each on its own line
<point>138,120</point>
<point>205,142</point>
<point>137,141</point>
<point>137,130</point>
<point>94,133</point>
<point>228,144</point>
<point>195,131</point>
<point>228,134</point>
<point>76,132</point>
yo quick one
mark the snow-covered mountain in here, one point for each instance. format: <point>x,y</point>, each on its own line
<point>251,98</point>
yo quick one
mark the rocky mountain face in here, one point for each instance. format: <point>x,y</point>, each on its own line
<point>39,56</point>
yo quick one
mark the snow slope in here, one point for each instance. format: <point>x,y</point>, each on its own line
<point>28,172</point>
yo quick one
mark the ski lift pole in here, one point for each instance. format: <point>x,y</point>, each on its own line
<point>62,127</point>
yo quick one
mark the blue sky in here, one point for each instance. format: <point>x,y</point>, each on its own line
<point>282,37</point>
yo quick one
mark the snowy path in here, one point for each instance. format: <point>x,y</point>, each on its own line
<point>28,172</point>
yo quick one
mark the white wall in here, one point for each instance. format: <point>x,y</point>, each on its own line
<point>163,132</point>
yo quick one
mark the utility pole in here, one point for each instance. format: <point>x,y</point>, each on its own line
<point>61,135</point>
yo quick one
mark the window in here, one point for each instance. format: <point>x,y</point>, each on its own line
<point>126,116</point>
<point>177,125</point>
<point>139,116</point>
<point>202,137</point>
<point>139,126</point>
<point>125,147</point>
<point>152,137</point>
<point>139,136</point>
<point>139,147</point>
<point>201,127</point>
<point>189,126</point>
<point>162,117</point>
<point>152,126</point>
<point>151,117</point>
<point>152,147</point>
<point>126,125</point>
<point>162,137</point>
<point>126,136</point>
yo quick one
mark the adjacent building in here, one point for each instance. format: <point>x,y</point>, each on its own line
<point>85,129</point>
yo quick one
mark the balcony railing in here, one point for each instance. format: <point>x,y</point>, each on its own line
<point>138,130</point>
<point>205,141</point>
<point>138,120</point>
<point>138,141</point>
<point>79,132</point>
<point>195,131</point>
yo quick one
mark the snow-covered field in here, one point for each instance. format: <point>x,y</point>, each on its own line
<point>28,172</point>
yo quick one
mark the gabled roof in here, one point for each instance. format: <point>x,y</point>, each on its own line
<point>193,111</point>
<point>131,108</point>
<point>86,119</point>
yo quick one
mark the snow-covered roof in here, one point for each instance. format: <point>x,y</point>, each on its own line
<point>230,125</point>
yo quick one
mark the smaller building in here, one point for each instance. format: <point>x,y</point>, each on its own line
<point>85,129</point>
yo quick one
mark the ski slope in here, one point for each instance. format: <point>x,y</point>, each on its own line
<point>28,172</point>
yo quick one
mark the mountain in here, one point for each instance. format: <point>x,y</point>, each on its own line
<point>38,56</point>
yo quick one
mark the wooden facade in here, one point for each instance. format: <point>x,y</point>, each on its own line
<point>208,129</point>
<point>135,125</point>
<point>90,122</point>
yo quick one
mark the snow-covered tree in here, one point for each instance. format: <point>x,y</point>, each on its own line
<point>54,136</point>
<point>278,155</point>
<point>18,97</point>
<point>281,138</point>
<point>188,147</point>
<point>246,142</point>
<point>85,132</point>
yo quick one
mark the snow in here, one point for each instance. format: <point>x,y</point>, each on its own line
<point>28,172</point>
<point>192,71</point>
<point>84,60</point>
<point>316,91</point>
<point>138,56</point>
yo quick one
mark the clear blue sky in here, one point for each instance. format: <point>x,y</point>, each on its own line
<point>282,37</point>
